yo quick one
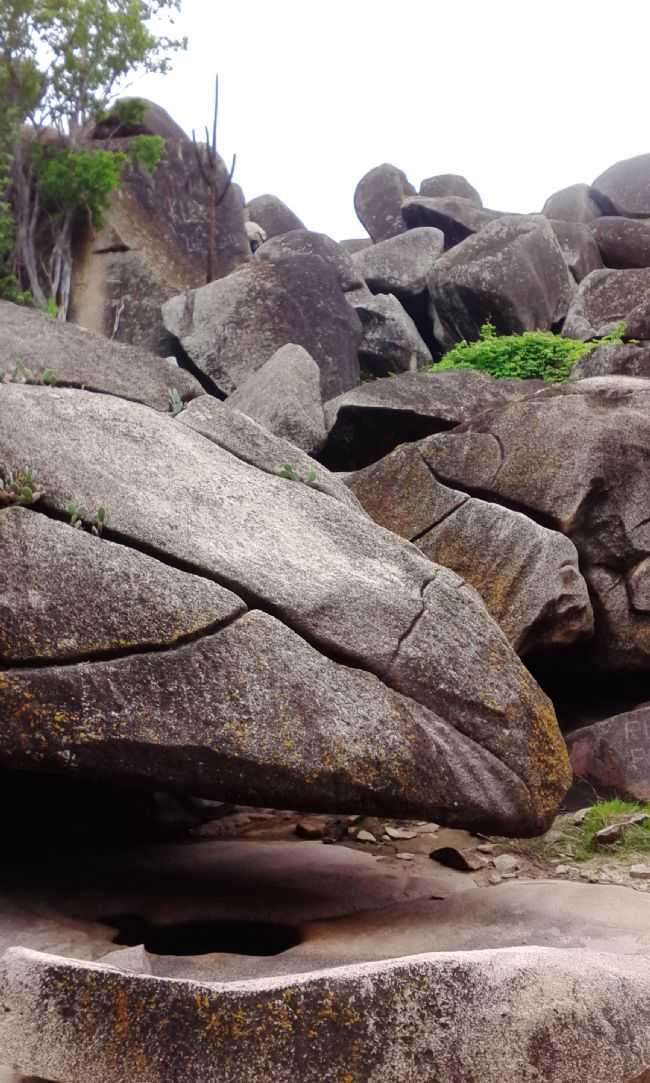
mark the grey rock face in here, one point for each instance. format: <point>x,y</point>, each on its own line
<point>355,244</point>
<point>280,689</point>
<point>614,360</point>
<point>304,242</point>
<point>284,396</point>
<point>595,489</point>
<point>603,299</point>
<point>578,246</point>
<point>450,184</point>
<point>626,185</point>
<point>378,200</point>
<point>623,242</point>
<point>230,328</point>
<point>390,341</point>
<point>272,215</point>
<point>614,755</point>
<point>458,218</point>
<point>512,273</point>
<point>577,203</point>
<point>401,265</point>
<point>80,358</point>
<point>527,575</point>
<point>637,322</point>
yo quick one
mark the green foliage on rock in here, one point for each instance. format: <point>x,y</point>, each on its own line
<point>635,836</point>
<point>540,355</point>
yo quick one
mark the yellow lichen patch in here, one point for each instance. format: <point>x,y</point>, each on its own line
<point>121,1024</point>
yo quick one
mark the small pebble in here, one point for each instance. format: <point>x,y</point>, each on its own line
<point>494,877</point>
<point>506,863</point>
<point>365,836</point>
<point>399,833</point>
<point>640,872</point>
<point>405,857</point>
<point>485,848</point>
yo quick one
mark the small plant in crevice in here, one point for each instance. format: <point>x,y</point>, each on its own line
<point>289,474</point>
<point>20,374</point>
<point>81,519</point>
<point>175,404</point>
<point>18,486</point>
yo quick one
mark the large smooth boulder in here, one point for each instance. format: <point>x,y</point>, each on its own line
<point>595,489</point>
<point>614,359</point>
<point>390,340</point>
<point>450,184</point>
<point>272,215</point>
<point>626,185</point>
<point>527,575</point>
<point>614,755</point>
<point>401,265</point>
<point>512,274</point>
<point>307,243</point>
<point>79,358</point>
<point>155,121</point>
<point>603,299</point>
<point>623,242</point>
<point>578,246</point>
<point>577,203</point>
<point>378,200</point>
<point>456,217</point>
<point>153,244</point>
<point>351,642</point>
<point>368,422</point>
<point>230,328</point>
<point>284,397</point>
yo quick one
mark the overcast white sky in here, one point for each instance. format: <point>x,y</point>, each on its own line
<point>521,97</point>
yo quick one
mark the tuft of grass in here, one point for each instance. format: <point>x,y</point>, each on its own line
<point>636,837</point>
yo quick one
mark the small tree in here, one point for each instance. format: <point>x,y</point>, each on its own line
<point>61,61</point>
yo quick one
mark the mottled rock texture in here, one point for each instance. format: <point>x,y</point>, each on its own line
<point>378,200</point>
<point>603,299</point>
<point>614,754</point>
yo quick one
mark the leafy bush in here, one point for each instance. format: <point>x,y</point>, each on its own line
<point>635,838</point>
<point>540,355</point>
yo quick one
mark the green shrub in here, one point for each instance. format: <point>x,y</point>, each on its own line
<point>636,837</point>
<point>540,355</point>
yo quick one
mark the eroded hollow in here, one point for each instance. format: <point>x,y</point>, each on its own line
<point>203,937</point>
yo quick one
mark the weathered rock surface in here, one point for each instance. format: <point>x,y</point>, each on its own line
<point>527,575</point>
<point>578,247</point>
<point>614,755</point>
<point>450,184</point>
<point>272,215</point>
<point>637,322</point>
<point>626,185</point>
<point>401,265</point>
<point>390,341</point>
<point>378,200</point>
<point>355,244</point>
<point>153,246</point>
<point>431,672</point>
<point>614,359</point>
<point>80,358</point>
<point>623,242</point>
<point>230,328</point>
<point>512,273</point>
<point>595,490</point>
<point>458,218</point>
<point>284,397</point>
<point>603,299</point>
<point>368,422</point>
<point>577,203</point>
<point>306,243</point>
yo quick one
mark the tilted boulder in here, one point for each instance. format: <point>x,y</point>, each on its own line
<point>284,397</point>
<point>390,341</point>
<point>579,248</point>
<point>577,203</point>
<point>512,274</point>
<point>614,359</point>
<point>595,489</point>
<point>266,707</point>
<point>230,328</point>
<point>603,299</point>
<point>450,184</point>
<point>32,343</point>
<point>456,217</point>
<point>614,755</point>
<point>623,242</point>
<point>401,265</point>
<point>306,243</point>
<point>272,215</point>
<point>527,575</point>
<point>378,200</point>
<point>626,186</point>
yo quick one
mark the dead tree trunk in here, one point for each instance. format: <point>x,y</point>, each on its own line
<point>208,165</point>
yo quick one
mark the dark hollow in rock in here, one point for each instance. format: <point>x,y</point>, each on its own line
<point>363,436</point>
<point>203,937</point>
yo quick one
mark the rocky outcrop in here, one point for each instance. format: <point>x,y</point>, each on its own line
<point>306,243</point>
<point>378,200</point>
<point>577,203</point>
<point>401,265</point>
<point>230,328</point>
<point>614,755</point>
<point>32,344</point>
<point>284,397</point>
<point>626,186</point>
<point>614,359</point>
<point>623,242</point>
<point>272,215</point>
<point>450,184</point>
<point>390,341</point>
<point>578,246</point>
<point>603,299</point>
<point>390,639</point>
<point>527,575</point>
<point>512,273</point>
<point>456,217</point>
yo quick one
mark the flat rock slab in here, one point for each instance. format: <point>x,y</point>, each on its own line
<point>80,358</point>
